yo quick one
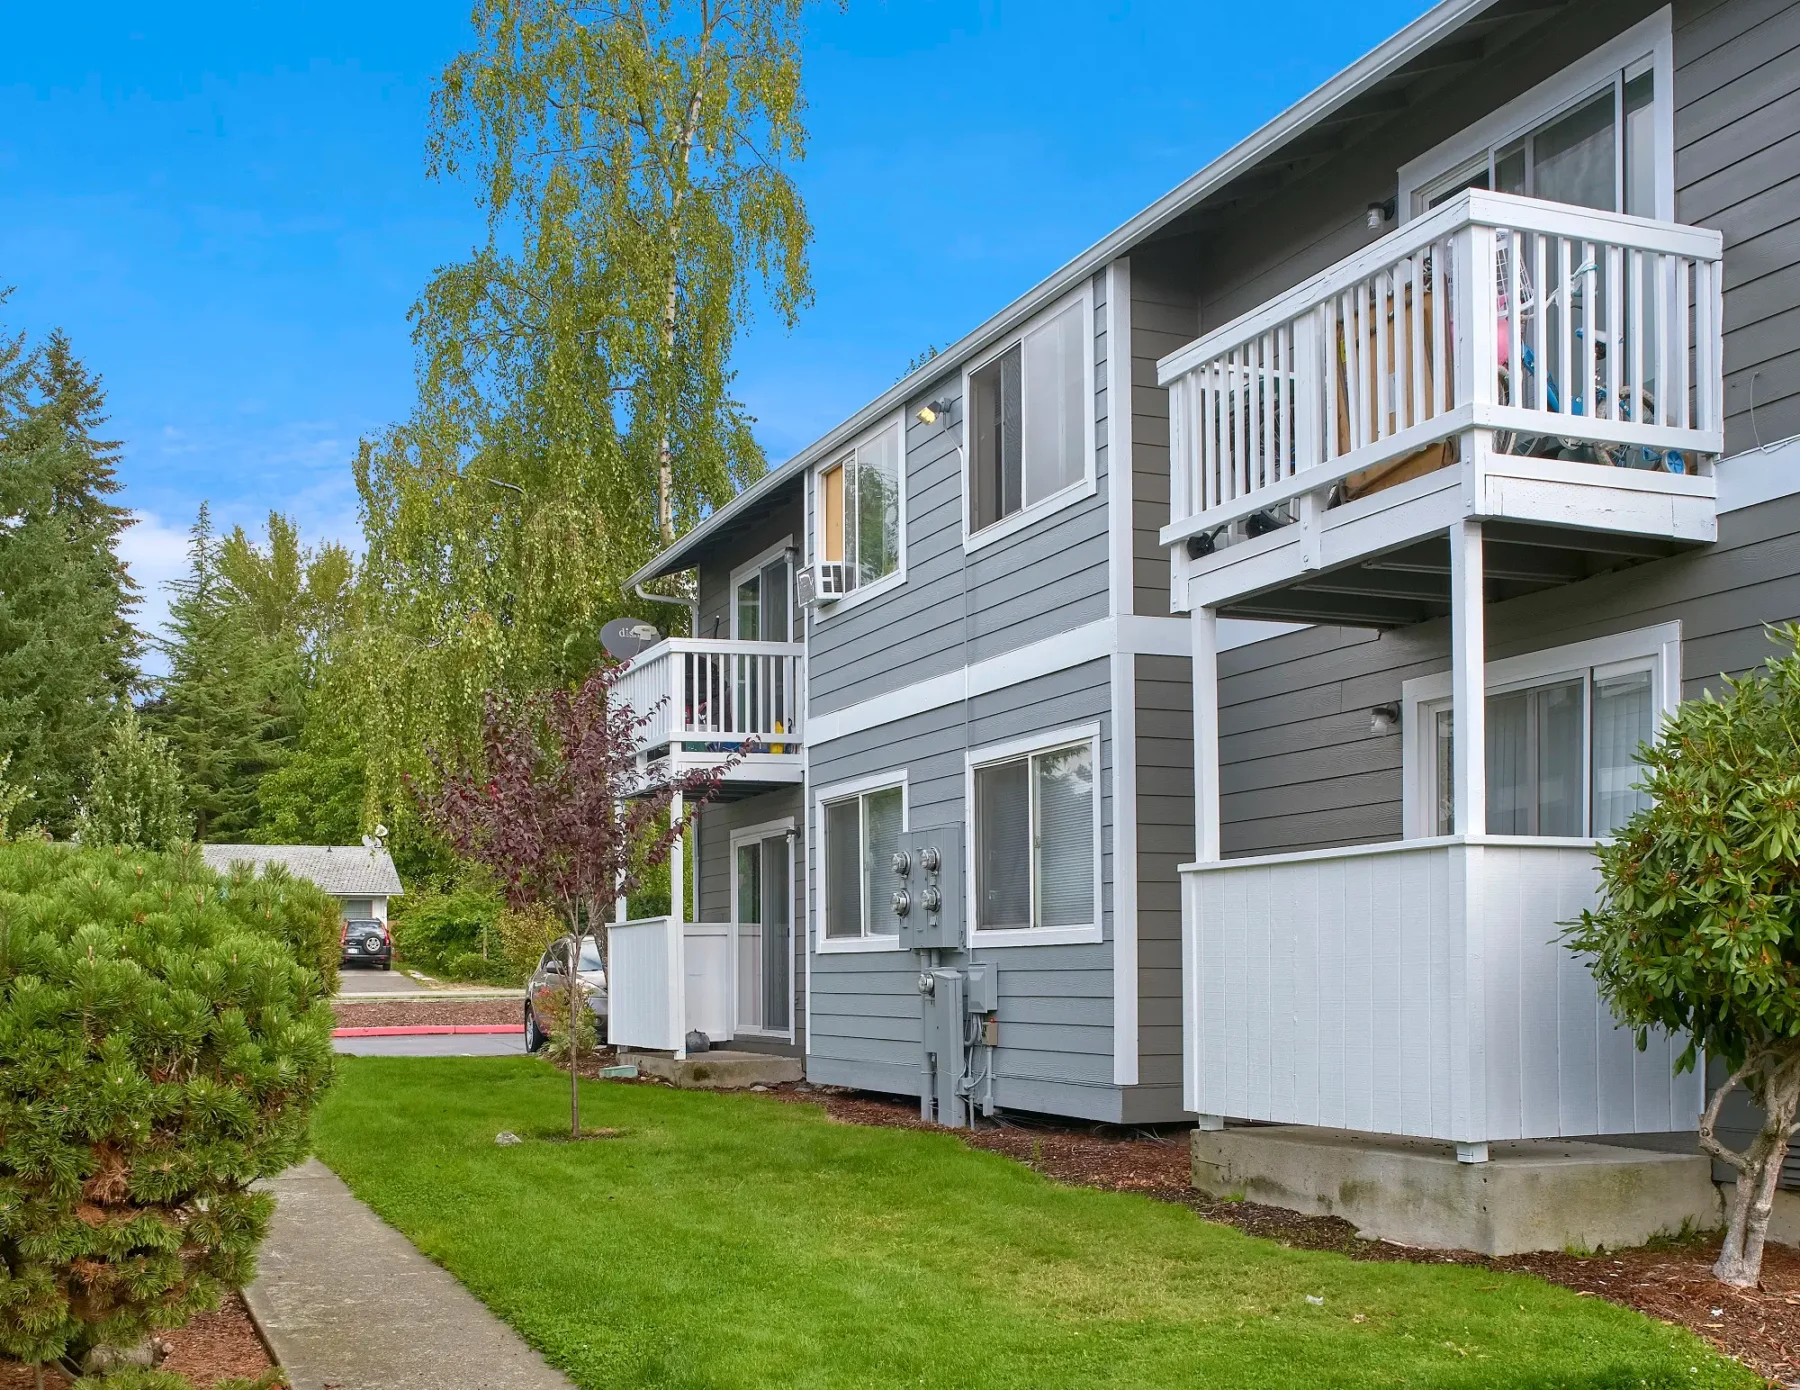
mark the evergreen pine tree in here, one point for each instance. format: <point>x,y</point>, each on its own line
<point>135,798</point>
<point>213,709</point>
<point>68,651</point>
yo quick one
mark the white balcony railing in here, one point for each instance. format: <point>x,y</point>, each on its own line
<point>1414,988</point>
<point>718,694</point>
<point>1566,332</point>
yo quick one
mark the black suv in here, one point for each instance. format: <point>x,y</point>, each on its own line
<point>367,942</point>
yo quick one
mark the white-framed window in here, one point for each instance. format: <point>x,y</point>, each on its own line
<point>1563,726</point>
<point>859,502</point>
<point>1599,134</point>
<point>1033,811</point>
<point>1028,423</point>
<point>762,596</point>
<point>860,827</point>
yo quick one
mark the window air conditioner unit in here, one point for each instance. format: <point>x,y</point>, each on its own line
<point>825,582</point>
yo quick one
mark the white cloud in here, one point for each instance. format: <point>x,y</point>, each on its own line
<point>155,553</point>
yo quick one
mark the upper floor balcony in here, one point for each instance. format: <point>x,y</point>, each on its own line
<point>1550,370</point>
<point>709,698</point>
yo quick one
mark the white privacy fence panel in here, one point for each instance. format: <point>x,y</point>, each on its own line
<point>1414,989</point>
<point>726,692</point>
<point>711,991</point>
<point>643,968</point>
<point>1567,332</point>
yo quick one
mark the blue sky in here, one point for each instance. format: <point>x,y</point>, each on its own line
<point>226,205</point>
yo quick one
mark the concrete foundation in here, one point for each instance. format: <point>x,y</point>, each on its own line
<point>716,1070</point>
<point>1529,1195</point>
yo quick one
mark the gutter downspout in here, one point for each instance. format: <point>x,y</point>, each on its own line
<point>691,604</point>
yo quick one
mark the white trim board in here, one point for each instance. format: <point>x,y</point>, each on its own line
<point>1125,870</point>
<point>1123,577</point>
<point>1134,634</point>
<point>1760,475</point>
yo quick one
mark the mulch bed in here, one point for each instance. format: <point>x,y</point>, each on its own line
<point>425,1013</point>
<point>214,1346</point>
<point>1671,1282</point>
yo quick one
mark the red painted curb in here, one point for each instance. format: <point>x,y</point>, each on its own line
<point>427,1030</point>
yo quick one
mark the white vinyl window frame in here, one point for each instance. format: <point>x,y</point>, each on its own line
<point>750,569</point>
<point>1655,649</point>
<point>1077,491</point>
<point>751,835</point>
<point>822,943</point>
<point>976,758</point>
<point>825,612</point>
<point>1648,46</point>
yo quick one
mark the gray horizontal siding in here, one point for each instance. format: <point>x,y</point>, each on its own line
<point>1056,1004</point>
<point>1737,168</point>
<point>717,822</point>
<point>1165,825</point>
<point>738,546</point>
<point>1165,315</point>
<point>953,607</point>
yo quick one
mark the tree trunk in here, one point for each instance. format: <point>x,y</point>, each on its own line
<point>1740,1260</point>
<point>575,1038</point>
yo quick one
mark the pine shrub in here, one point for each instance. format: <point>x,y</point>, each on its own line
<point>162,1043</point>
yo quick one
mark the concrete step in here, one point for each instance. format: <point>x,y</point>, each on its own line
<point>1537,1194</point>
<point>717,1070</point>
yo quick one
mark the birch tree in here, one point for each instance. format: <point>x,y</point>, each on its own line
<point>575,414</point>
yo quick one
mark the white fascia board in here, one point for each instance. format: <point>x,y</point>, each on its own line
<point>1364,73</point>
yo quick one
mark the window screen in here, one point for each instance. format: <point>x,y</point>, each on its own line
<point>1063,788</point>
<point>882,814</point>
<point>843,868</point>
<point>1028,420</point>
<point>1003,845</point>
<point>1034,841</point>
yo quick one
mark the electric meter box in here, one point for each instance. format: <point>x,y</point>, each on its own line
<point>981,988</point>
<point>927,883</point>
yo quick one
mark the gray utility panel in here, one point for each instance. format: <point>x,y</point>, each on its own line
<point>957,1006</point>
<point>928,897</point>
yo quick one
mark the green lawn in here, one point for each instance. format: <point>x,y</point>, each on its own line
<point>736,1242</point>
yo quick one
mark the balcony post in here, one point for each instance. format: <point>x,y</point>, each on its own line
<point>1468,683</point>
<point>677,939</point>
<point>1206,733</point>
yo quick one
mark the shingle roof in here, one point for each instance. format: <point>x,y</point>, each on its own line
<point>347,871</point>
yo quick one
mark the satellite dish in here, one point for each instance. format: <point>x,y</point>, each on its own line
<point>624,638</point>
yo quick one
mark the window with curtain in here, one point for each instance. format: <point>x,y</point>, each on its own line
<point>1561,755</point>
<point>1599,154</point>
<point>859,510</point>
<point>862,832</point>
<point>1036,856</point>
<point>1027,418</point>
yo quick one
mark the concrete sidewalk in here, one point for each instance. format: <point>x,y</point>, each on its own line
<point>347,1303</point>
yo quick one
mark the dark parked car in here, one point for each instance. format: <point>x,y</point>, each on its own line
<point>547,992</point>
<point>367,942</point>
